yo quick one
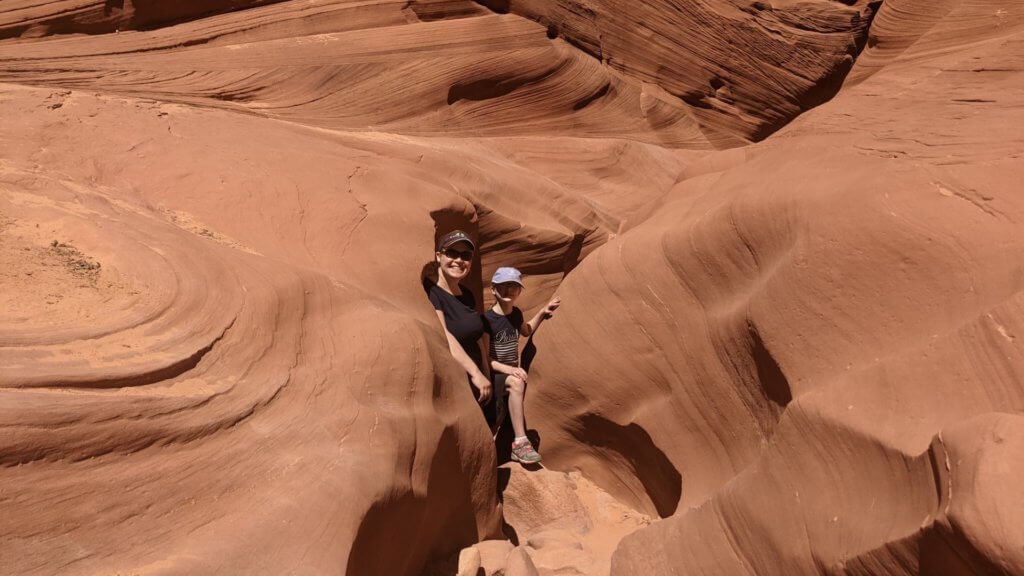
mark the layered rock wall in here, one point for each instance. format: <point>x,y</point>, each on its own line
<point>803,354</point>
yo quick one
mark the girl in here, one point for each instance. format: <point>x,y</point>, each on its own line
<point>506,325</point>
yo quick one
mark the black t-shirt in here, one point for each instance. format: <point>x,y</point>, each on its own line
<point>505,335</point>
<point>461,318</point>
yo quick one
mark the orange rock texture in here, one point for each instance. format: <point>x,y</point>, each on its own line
<point>787,236</point>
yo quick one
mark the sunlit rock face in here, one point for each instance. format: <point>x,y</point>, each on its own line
<point>803,354</point>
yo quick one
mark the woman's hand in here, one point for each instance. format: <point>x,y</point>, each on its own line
<point>484,386</point>
<point>519,373</point>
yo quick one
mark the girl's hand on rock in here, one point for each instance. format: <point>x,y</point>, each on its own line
<point>553,305</point>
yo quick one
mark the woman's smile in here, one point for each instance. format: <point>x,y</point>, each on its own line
<point>456,260</point>
<point>457,268</point>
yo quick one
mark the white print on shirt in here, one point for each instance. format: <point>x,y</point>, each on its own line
<point>506,336</point>
<point>506,347</point>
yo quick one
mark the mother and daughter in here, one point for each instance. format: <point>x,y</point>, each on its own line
<point>486,345</point>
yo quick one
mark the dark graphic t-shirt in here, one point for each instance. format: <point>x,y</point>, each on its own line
<point>505,335</point>
<point>461,318</point>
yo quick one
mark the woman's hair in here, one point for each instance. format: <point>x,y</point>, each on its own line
<point>428,275</point>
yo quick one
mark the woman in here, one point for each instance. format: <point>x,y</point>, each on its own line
<point>456,309</point>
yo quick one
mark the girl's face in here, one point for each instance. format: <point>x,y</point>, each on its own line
<point>456,260</point>
<point>507,292</point>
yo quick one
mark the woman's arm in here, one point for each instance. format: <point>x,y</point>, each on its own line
<point>485,353</point>
<point>482,382</point>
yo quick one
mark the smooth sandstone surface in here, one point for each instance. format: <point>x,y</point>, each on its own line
<point>786,235</point>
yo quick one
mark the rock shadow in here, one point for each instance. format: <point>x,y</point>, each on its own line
<point>660,479</point>
<point>773,382</point>
<point>435,526</point>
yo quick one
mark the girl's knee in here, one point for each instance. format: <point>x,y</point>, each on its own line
<point>514,384</point>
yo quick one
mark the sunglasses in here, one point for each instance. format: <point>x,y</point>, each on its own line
<point>465,255</point>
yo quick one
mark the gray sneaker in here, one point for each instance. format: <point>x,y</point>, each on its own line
<point>523,452</point>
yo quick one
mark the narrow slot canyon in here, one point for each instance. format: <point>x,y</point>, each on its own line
<point>784,235</point>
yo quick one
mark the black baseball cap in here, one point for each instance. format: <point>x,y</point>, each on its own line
<point>454,237</point>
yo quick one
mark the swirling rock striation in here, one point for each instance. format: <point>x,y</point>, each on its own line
<point>803,354</point>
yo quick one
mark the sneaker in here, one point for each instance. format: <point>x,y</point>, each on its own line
<point>523,452</point>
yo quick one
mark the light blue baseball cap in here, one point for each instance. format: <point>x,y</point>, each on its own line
<point>507,274</point>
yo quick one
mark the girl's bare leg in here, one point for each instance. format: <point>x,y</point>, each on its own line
<point>516,392</point>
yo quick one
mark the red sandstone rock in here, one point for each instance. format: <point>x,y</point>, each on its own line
<point>215,356</point>
<point>494,556</point>
<point>520,564</point>
<point>469,561</point>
